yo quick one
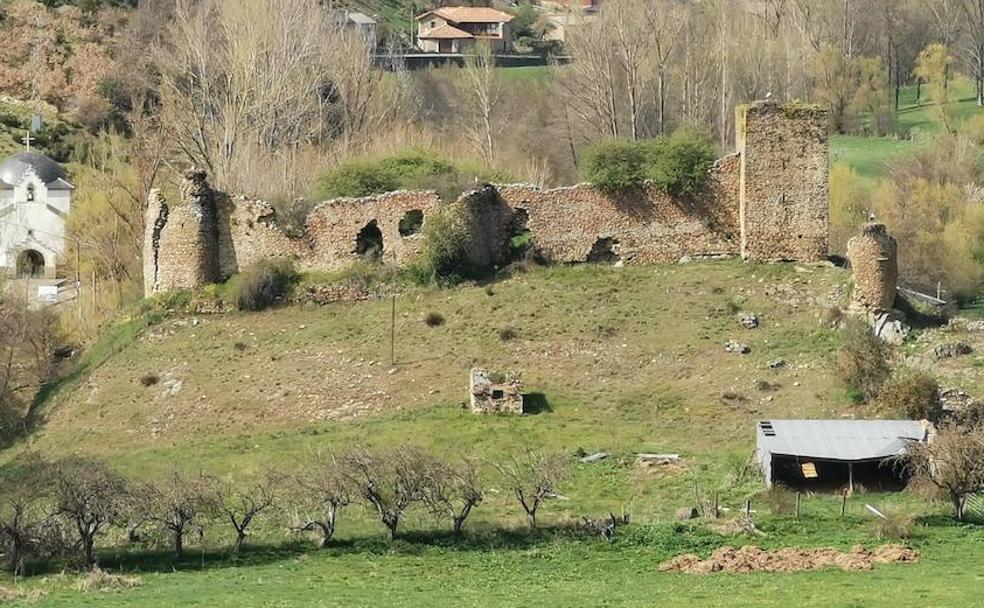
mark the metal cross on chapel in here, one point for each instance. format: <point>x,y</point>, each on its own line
<point>27,139</point>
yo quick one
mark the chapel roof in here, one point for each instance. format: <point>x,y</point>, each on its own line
<point>13,168</point>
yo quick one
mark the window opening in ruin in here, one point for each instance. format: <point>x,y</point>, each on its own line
<point>520,236</point>
<point>30,265</point>
<point>369,242</point>
<point>604,251</point>
<point>498,394</point>
<point>411,222</point>
<point>30,193</point>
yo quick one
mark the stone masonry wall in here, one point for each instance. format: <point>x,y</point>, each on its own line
<point>181,244</point>
<point>768,201</point>
<point>783,185</point>
<point>874,262</point>
<point>645,227</point>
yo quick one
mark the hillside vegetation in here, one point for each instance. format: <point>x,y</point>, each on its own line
<point>624,360</point>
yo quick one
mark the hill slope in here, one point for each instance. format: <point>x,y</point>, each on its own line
<point>627,359</point>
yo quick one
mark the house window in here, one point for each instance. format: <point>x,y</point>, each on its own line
<point>498,394</point>
<point>433,24</point>
<point>30,193</point>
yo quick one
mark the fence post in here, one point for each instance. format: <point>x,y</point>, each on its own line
<point>843,504</point>
<point>798,505</point>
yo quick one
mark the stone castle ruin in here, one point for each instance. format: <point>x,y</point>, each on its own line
<point>767,201</point>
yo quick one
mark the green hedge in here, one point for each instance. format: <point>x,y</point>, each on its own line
<point>677,164</point>
<point>412,169</point>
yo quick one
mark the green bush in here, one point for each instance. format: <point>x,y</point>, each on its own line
<point>263,284</point>
<point>678,164</point>
<point>615,166</point>
<point>863,362</point>
<point>443,257</point>
<point>412,169</point>
<point>911,394</point>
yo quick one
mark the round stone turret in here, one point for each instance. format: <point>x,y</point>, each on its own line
<point>874,261</point>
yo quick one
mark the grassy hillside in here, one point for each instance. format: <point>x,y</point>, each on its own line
<point>870,156</point>
<point>625,360</point>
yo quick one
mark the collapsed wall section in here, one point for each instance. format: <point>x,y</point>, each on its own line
<point>783,181</point>
<point>583,223</point>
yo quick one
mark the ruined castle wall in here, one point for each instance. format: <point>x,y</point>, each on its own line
<point>768,201</point>
<point>874,261</point>
<point>645,226</point>
<point>333,227</point>
<point>248,233</point>
<point>181,246</point>
<point>784,199</point>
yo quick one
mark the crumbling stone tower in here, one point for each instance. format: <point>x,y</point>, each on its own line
<point>783,198</point>
<point>874,260</point>
<point>181,241</point>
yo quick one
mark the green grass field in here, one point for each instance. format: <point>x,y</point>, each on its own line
<point>871,156</point>
<point>628,360</point>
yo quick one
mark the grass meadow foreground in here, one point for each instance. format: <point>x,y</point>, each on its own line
<point>625,360</point>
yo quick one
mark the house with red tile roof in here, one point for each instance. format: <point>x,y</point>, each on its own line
<point>456,29</point>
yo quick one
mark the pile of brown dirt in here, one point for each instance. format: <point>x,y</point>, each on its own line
<point>756,559</point>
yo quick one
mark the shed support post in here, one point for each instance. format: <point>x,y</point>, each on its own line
<point>850,477</point>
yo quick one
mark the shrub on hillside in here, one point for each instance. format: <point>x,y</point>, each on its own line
<point>863,362</point>
<point>412,169</point>
<point>911,394</point>
<point>677,164</point>
<point>615,166</point>
<point>443,259</point>
<point>263,283</point>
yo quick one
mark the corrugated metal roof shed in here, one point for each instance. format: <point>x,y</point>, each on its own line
<point>842,440</point>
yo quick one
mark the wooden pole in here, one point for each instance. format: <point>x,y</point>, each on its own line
<point>393,331</point>
<point>843,504</point>
<point>798,495</point>
<point>850,477</point>
<point>78,276</point>
<point>748,507</point>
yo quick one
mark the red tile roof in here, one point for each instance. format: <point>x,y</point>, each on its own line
<point>447,32</point>
<point>470,14</point>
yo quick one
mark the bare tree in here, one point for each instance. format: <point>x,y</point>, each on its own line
<point>241,506</point>
<point>973,12</point>
<point>952,460</point>
<point>246,82</point>
<point>453,491</point>
<point>390,480</point>
<point>91,496</point>
<point>533,478</point>
<point>326,489</point>
<point>179,503</point>
<point>26,510</point>
<point>481,93</point>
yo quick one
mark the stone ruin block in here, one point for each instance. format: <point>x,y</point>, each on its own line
<point>495,393</point>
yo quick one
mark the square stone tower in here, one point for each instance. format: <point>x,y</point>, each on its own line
<point>783,182</point>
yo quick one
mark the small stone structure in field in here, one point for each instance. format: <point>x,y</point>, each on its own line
<point>493,393</point>
<point>874,261</point>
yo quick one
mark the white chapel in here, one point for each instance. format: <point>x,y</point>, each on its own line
<point>35,197</point>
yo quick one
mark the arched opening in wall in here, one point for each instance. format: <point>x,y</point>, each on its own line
<point>369,243</point>
<point>604,251</point>
<point>30,265</point>
<point>30,193</point>
<point>520,236</point>
<point>411,222</point>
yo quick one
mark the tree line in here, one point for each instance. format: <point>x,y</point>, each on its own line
<point>58,508</point>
